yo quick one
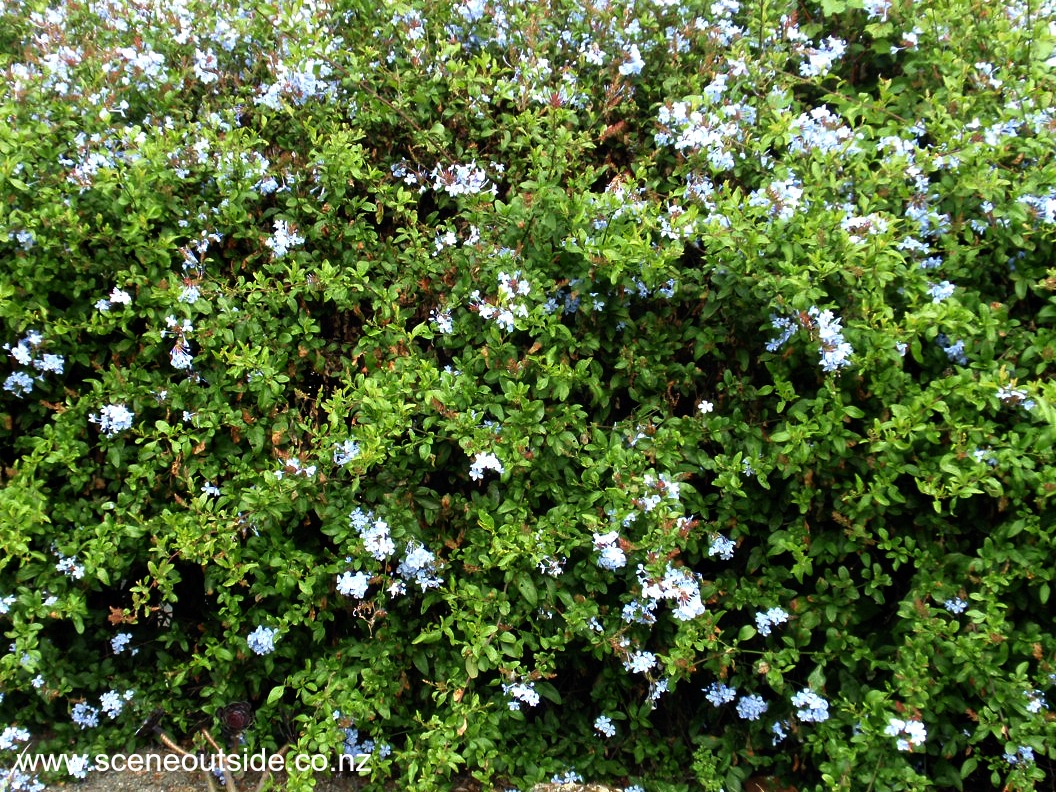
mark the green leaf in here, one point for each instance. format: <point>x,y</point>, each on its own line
<point>421,662</point>
<point>276,693</point>
<point>548,691</point>
<point>527,589</point>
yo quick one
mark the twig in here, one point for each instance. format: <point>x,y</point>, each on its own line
<point>168,743</point>
<point>266,775</point>
<point>229,781</point>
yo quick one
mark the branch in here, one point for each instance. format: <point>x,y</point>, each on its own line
<point>229,781</point>
<point>266,775</point>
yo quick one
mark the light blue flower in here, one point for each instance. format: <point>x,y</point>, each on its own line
<point>19,383</point>
<point>353,585</point>
<point>85,715</point>
<point>1024,753</point>
<point>765,620</point>
<point>345,452</point>
<point>751,707</point>
<point>810,706</point>
<point>955,605</point>
<point>113,419</point>
<point>718,693</point>
<point>640,662</point>
<point>112,703</point>
<point>941,291</point>
<point>722,547</point>
<point>262,640</point>
<point>603,725</point>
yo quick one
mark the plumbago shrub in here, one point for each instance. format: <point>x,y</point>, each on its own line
<point>654,393</point>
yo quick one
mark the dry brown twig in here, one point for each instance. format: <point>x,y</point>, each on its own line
<point>151,726</point>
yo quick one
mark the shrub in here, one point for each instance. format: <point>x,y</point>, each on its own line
<point>649,392</point>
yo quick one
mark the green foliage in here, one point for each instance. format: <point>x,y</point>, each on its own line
<point>440,379</point>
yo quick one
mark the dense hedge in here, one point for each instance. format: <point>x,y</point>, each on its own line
<point>654,392</point>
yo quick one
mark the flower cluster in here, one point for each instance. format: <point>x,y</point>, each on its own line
<point>910,733</point>
<point>297,84</point>
<point>954,351</point>
<point>1015,396</point>
<point>714,129</point>
<point>941,291</point>
<point>823,326</point>
<point>818,60</point>
<point>1024,754</point>
<point>678,584</point>
<point>295,467</point>
<point>604,726</point>
<point>462,179</point>
<point>810,707</point>
<point>283,239</point>
<point>419,566</point>
<point>506,306</point>
<point>860,228</point>
<point>659,488</point>
<point>609,545</point>
<point>353,585</point>
<point>69,566</point>
<point>877,9</point>
<point>262,640</point>
<point>27,353</point>
<point>781,199</point>
<point>117,297</point>
<point>765,620</point>
<point>374,532</point>
<point>640,662</point>
<point>820,130</point>
<point>12,735</point>
<point>718,693</point>
<point>1035,701</point>
<point>113,419</point>
<point>552,566</point>
<point>442,320</point>
<point>120,642</point>
<point>521,692</point>
<point>484,461</point>
<point>112,703</point>
<point>751,707</point>
<point>567,777</point>
<point>634,62</point>
<point>722,547</point>
<point>353,746</point>
<point>85,715</point>
<point>181,356</point>
<point>345,452</point>
<point>779,730</point>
